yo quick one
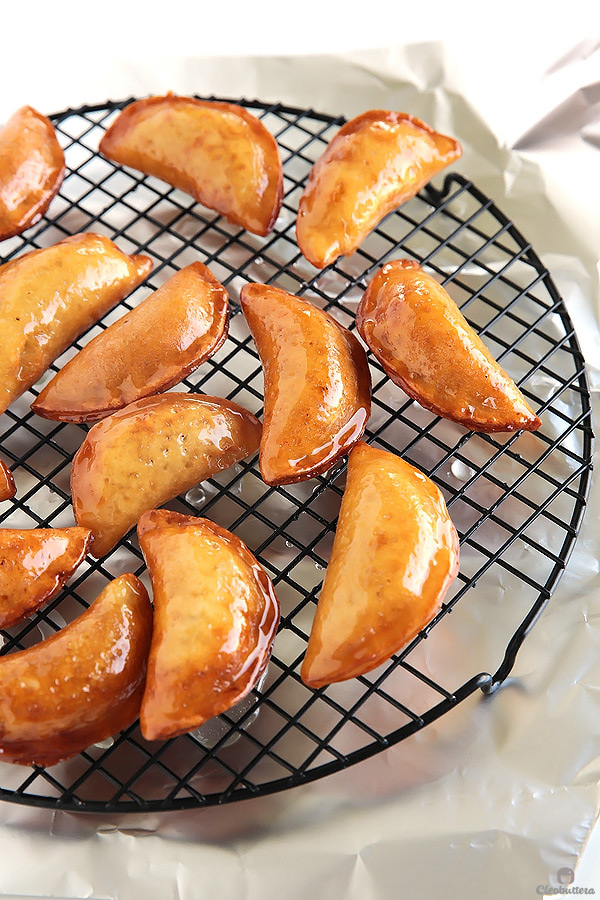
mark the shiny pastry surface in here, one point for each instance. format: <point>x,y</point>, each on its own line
<point>375,162</point>
<point>317,384</point>
<point>7,482</point>
<point>80,686</point>
<point>49,297</point>
<point>32,168</point>
<point>426,346</point>
<point>395,554</point>
<point>219,153</point>
<point>150,349</point>
<point>151,451</point>
<point>215,619</point>
<point>34,565</point>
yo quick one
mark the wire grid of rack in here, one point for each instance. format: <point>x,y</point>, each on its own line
<point>517,500</point>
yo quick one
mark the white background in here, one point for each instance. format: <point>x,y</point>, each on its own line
<point>55,55</point>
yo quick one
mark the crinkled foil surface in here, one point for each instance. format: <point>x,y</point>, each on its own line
<point>494,799</point>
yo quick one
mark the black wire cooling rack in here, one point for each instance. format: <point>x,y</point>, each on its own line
<point>517,501</point>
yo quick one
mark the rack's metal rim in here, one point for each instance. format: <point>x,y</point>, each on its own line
<point>485,681</point>
<point>271,787</point>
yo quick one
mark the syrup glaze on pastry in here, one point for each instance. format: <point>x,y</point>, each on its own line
<point>7,482</point>
<point>317,384</point>
<point>151,451</point>
<point>148,350</point>
<point>395,554</point>
<point>219,153</point>
<point>34,565</point>
<point>426,346</point>
<point>375,162</point>
<point>80,686</point>
<point>215,619</point>
<point>49,297</point>
<point>32,167</point>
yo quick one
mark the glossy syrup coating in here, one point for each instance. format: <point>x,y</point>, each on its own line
<point>395,554</point>
<point>148,350</point>
<point>219,153</point>
<point>7,482</point>
<point>317,384</point>
<point>427,347</point>
<point>80,686</point>
<point>215,618</point>
<point>34,564</point>
<point>375,162</point>
<point>151,451</point>
<point>49,297</point>
<point>32,167</point>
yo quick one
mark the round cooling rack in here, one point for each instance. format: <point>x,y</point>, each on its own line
<point>517,500</point>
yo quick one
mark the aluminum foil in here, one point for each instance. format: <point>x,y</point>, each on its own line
<point>497,799</point>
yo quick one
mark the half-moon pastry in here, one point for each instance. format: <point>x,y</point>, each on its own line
<point>49,297</point>
<point>7,482</point>
<point>374,163</point>
<point>427,347</point>
<point>395,553</point>
<point>80,686</point>
<point>32,167</point>
<point>151,451</point>
<point>148,350</point>
<point>34,565</point>
<point>317,384</point>
<point>215,618</point>
<point>219,153</point>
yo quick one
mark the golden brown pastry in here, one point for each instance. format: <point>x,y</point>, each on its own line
<point>80,686</point>
<point>426,346</point>
<point>34,565</point>
<point>32,167</point>
<point>151,451</point>
<point>215,618</point>
<point>375,162</point>
<point>49,297</point>
<point>317,384</point>
<point>7,482</point>
<point>150,349</point>
<point>395,554</point>
<point>219,153</point>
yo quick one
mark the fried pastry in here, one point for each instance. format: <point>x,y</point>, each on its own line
<point>375,162</point>
<point>219,153</point>
<point>7,482</point>
<point>426,346</point>
<point>395,554</point>
<point>34,565</point>
<point>215,619</point>
<point>80,686</point>
<point>151,451</point>
<point>49,297</point>
<point>317,384</point>
<point>150,349</point>
<point>32,167</point>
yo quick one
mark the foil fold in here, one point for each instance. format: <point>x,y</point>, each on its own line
<point>498,796</point>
